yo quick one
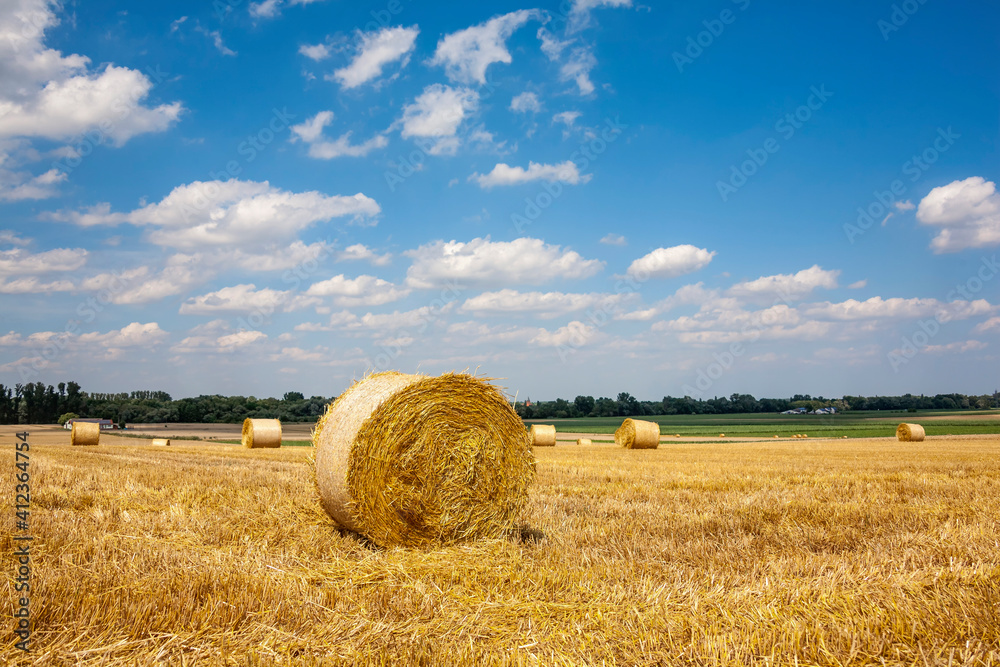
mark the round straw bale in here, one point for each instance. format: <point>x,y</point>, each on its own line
<point>160,442</point>
<point>261,433</point>
<point>910,433</point>
<point>584,441</point>
<point>85,433</point>
<point>413,460</point>
<point>543,435</point>
<point>638,434</point>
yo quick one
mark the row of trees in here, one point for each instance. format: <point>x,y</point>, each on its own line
<point>627,405</point>
<point>36,403</point>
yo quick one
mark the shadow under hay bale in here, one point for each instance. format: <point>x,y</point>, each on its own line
<point>543,435</point>
<point>413,460</point>
<point>261,433</point>
<point>638,434</point>
<point>85,434</point>
<point>910,433</point>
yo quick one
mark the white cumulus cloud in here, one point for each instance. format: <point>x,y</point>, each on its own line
<point>482,261</point>
<point>787,286</point>
<point>375,50</point>
<point>504,174</point>
<point>467,53</point>
<point>966,212</point>
<point>671,262</point>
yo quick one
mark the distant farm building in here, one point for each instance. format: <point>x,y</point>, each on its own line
<point>105,424</point>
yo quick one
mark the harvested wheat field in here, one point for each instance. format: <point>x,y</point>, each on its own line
<point>830,552</point>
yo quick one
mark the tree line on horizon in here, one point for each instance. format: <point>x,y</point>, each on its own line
<point>627,405</point>
<point>37,403</point>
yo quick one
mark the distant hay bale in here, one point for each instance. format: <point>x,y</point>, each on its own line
<point>543,435</point>
<point>584,441</point>
<point>261,433</point>
<point>910,433</point>
<point>85,434</point>
<point>722,435</point>
<point>638,434</point>
<point>160,442</point>
<point>414,460</point>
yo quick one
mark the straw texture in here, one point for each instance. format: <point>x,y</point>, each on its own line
<point>160,442</point>
<point>543,435</point>
<point>638,434</point>
<point>85,434</point>
<point>413,460</point>
<point>261,433</point>
<point>910,433</point>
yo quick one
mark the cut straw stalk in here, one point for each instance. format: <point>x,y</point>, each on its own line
<point>543,435</point>
<point>85,434</point>
<point>638,434</point>
<point>910,433</point>
<point>413,460</point>
<point>261,433</point>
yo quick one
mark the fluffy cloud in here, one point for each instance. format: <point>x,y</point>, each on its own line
<point>877,308</point>
<point>613,239</point>
<point>542,304</point>
<point>437,113</point>
<point>311,133</point>
<point>245,299</point>
<point>418,318</point>
<point>315,52</point>
<point>967,213</point>
<point>133,335</point>
<point>375,50</point>
<point>504,174</point>
<point>227,213</point>
<point>46,94</point>
<point>19,261</point>
<point>467,53</point>
<point>142,285</point>
<point>992,324</point>
<point>525,102</point>
<point>579,13</point>
<point>360,291</point>
<point>577,69</point>
<point>21,185</point>
<point>671,262</point>
<point>481,261</point>
<point>787,286</point>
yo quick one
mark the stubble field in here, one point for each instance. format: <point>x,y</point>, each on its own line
<point>832,552</point>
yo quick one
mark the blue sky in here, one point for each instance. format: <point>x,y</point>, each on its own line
<point>580,198</point>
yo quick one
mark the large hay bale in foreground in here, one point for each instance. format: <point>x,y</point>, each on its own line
<point>638,434</point>
<point>414,460</point>
<point>85,434</point>
<point>543,435</point>
<point>584,441</point>
<point>261,433</point>
<point>910,433</point>
<point>160,442</point>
